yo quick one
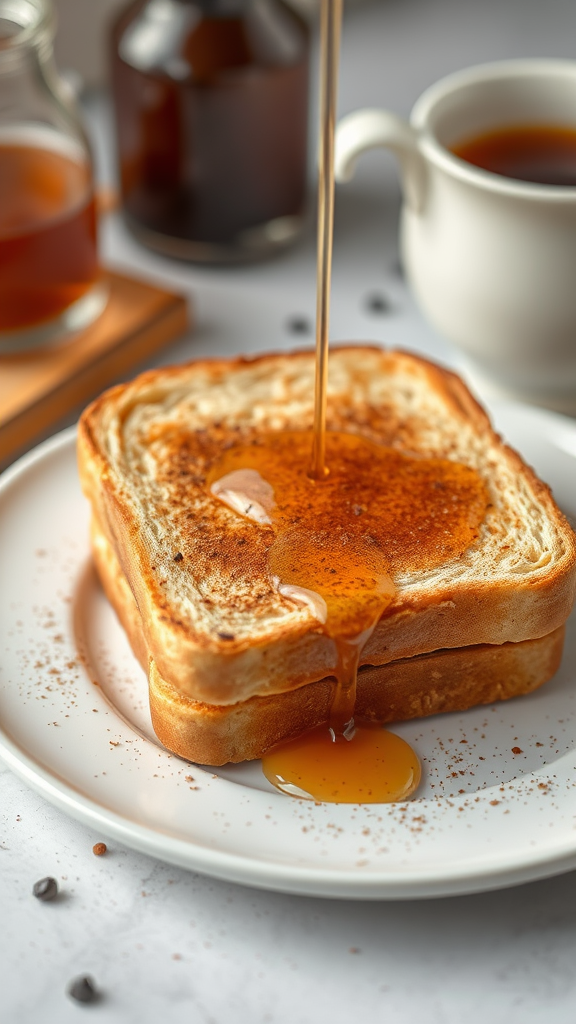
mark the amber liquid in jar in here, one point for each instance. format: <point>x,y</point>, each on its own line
<point>48,256</point>
<point>211,102</point>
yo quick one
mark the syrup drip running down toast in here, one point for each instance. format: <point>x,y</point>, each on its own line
<point>335,545</point>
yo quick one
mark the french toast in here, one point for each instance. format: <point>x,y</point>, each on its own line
<point>233,664</point>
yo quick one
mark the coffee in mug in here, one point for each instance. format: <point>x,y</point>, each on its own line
<point>543,154</point>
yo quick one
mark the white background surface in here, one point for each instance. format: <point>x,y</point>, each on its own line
<point>166,945</point>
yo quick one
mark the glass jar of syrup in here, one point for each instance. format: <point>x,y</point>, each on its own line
<point>50,285</point>
<point>211,102</point>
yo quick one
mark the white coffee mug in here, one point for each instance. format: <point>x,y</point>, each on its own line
<point>491,259</point>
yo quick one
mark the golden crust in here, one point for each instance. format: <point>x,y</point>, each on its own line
<point>463,607</point>
<point>428,684</point>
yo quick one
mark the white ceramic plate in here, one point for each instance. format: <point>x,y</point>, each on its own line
<point>75,725</point>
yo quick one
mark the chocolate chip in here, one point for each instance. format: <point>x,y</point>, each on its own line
<point>299,325</point>
<point>226,636</point>
<point>377,303</point>
<point>178,557</point>
<point>82,989</point>
<point>46,889</point>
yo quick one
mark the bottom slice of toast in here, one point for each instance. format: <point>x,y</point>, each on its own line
<point>447,680</point>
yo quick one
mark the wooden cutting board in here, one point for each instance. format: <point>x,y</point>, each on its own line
<point>38,389</point>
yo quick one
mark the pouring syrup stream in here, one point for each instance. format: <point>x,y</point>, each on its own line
<point>330,28</point>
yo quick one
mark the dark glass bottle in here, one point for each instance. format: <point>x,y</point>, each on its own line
<point>211,102</point>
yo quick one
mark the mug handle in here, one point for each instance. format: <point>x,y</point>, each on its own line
<point>365,129</point>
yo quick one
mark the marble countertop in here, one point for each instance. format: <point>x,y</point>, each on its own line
<point>164,944</point>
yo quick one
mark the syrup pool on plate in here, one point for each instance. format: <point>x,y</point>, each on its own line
<point>372,766</point>
<point>335,545</point>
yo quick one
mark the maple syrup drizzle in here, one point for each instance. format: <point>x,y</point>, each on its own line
<point>310,750</point>
<point>336,545</point>
<point>338,532</point>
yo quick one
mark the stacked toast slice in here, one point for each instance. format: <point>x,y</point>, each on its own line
<point>233,665</point>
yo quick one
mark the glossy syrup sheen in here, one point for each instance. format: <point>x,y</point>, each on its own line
<point>543,154</point>
<point>377,512</point>
<point>47,234</point>
<point>374,766</point>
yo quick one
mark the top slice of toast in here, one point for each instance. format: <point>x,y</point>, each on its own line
<point>214,623</point>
